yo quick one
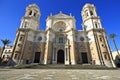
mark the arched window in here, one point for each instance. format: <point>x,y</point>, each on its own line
<point>20,45</point>
<point>60,39</point>
<point>3,56</point>
<point>105,56</point>
<point>15,57</point>
<point>101,39</point>
<point>91,13</point>
<point>34,14</point>
<point>21,38</point>
<point>96,25</point>
<point>30,13</point>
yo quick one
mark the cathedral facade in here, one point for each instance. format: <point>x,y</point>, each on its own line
<point>61,43</point>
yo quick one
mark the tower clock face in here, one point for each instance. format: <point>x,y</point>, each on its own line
<point>40,38</point>
<point>81,38</point>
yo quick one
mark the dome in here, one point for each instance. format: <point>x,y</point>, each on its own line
<point>88,5</point>
<point>32,6</point>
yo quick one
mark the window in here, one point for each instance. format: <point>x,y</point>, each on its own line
<point>30,13</point>
<point>81,38</point>
<point>105,56</point>
<point>19,45</point>
<point>15,57</point>
<point>96,25</point>
<point>60,40</point>
<point>3,56</point>
<point>9,51</point>
<point>101,39</point>
<point>103,45</point>
<point>39,38</point>
<point>20,38</point>
<point>27,61</point>
<point>91,13</point>
<point>8,56</point>
<point>5,50</point>
<point>99,31</point>
<point>35,14</point>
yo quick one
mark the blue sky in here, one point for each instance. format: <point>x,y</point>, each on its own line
<point>11,12</point>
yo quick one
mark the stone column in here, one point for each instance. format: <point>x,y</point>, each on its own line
<point>54,56</point>
<point>46,53</point>
<point>67,62</point>
<point>72,53</point>
<point>65,55</point>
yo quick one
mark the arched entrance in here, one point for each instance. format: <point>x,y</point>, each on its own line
<point>37,57</point>
<point>84,57</point>
<point>60,57</point>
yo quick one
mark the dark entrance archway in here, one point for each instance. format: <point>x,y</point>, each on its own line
<point>84,57</point>
<point>37,57</point>
<point>60,57</point>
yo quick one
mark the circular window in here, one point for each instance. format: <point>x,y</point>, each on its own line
<point>103,45</point>
<point>81,38</point>
<point>40,38</point>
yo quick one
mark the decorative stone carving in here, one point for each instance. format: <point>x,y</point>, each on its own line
<point>81,38</point>
<point>39,38</point>
<point>60,26</point>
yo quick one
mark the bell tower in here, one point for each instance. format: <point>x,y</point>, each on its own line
<point>98,44</point>
<point>31,18</point>
<point>29,24</point>
<point>90,18</point>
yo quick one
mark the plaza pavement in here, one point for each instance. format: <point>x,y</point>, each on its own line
<point>58,74</point>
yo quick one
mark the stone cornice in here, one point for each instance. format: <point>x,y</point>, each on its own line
<point>100,29</point>
<point>29,29</point>
<point>55,18</point>
<point>50,29</point>
<point>27,17</point>
<point>92,17</point>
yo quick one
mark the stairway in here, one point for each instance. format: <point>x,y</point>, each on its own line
<point>59,66</point>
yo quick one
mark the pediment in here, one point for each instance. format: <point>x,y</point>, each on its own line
<point>61,15</point>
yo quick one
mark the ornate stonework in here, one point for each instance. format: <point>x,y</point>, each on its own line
<point>61,43</point>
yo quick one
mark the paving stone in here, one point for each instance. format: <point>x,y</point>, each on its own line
<point>58,74</point>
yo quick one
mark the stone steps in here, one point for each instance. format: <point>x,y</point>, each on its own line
<point>59,66</point>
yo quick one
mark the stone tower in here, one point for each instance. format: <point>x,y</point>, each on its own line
<point>29,22</point>
<point>99,48</point>
<point>31,18</point>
